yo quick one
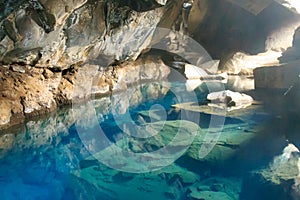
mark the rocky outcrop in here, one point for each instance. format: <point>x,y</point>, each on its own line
<point>276,44</point>
<point>229,100</point>
<point>50,49</point>
<point>40,90</point>
<point>284,76</point>
<point>278,77</point>
<point>292,53</point>
<point>244,64</point>
<point>281,177</point>
<point>58,34</point>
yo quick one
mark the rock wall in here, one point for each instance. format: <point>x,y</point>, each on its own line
<point>59,34</point>
<point>227,28</point>
<point>293,52</point>
<point>30,91</point>
<point>287,75</point>
<point>47,47</point>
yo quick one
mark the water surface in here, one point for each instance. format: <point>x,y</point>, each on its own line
<point>53,158</point>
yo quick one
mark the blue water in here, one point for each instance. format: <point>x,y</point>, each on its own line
<point>46,158</point>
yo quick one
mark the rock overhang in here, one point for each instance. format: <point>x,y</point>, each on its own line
<point>257,6</point>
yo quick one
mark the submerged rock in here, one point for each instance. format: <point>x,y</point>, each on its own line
<point>285,167</point>
<point>208,195</point>
<point>211,110</point>
<point>225,143</point>
<point>151,142</point>
<point>280,178</point>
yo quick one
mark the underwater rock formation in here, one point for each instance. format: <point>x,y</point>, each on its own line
<point>280,178</point>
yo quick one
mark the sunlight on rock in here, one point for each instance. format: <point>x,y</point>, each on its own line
<point>242,63</point>
<point>229,100</point>
<point>293,5</point>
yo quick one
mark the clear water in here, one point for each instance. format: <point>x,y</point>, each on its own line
<point>48,159</point>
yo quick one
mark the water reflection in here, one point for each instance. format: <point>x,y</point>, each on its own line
<point>48,160</point>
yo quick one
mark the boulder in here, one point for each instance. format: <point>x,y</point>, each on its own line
<point>213,186</point>
<point>229,100</point>
<point>208,195</point>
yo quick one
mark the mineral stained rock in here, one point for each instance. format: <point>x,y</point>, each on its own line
<point>40,90</point>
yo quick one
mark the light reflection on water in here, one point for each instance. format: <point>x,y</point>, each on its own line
<point>47,159</point>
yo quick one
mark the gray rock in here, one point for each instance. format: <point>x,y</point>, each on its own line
<point>21,56</point>
<point>279,77</point>
<point>209,195</point>
<point>280,178</point>
<point>229,100</point>
<point>230,187</point>
<point>284,167</point>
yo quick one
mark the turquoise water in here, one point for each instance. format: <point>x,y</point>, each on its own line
<point>53,158</point>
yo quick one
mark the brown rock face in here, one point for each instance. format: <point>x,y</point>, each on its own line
<point>5,111</point>
<point>38,90</point>
<point>27,92</point>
